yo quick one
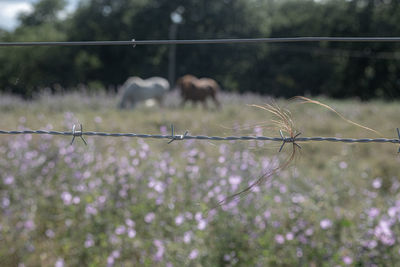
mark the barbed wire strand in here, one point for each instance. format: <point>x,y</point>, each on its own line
<point>185,136</point>
<point>207,41</point>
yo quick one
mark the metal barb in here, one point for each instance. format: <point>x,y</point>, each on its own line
<point>77,133</point>
<point>283,139</point>
<point>172,134</point>
<point>176,137</point>
<point>398,133</point>
<point>134,45</point>
<point>294,140</point>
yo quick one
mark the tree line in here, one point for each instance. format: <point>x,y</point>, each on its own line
<point>340,70</point>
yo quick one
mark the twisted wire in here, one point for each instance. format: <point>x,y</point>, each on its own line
<point>208,41</point>
<point>213,138</point>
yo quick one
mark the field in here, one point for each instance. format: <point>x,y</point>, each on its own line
<point>130,202</point>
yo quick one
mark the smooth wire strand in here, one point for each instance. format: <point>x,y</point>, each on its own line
<point>214,138</point>
<point>207,41</point>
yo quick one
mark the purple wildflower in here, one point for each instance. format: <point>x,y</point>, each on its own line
<point>67,198</point>
<point>383,232</point>
<point>289,236</point>
<point>373,212</point>
<point>279,239</point>
<point>120,230</point>
<point>347,260</point>
<point>179,219</point>
<point>234,180</point>
<point>9,180</point>
<point>149,217</point>
<point>325,224</point>
<point>193,254</point>
<point>343,165</point>
<point>50,233</point>
<point>202,224</point>
<point>130,223</point>
<point>131,233</point>
<point>59,263</point>
<point>187,237</point>
<point>160,250</point>
<point>377,183</point>
<point>89,242</point>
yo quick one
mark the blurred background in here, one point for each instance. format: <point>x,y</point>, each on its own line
<point>141,202</point>
<point>340,70</point>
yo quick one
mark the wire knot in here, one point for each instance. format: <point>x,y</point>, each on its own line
<point>288,140</point>
<point>176,137</point>
<point>77,133</point>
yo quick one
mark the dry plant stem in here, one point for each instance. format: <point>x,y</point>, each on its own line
<point>262,178</point>
<point>284,123</point>
<point>307,100</point>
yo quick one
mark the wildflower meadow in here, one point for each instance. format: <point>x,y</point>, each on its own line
<point>130,202</point>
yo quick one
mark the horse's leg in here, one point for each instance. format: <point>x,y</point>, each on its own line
<point>121,104</point>
<point>124,101</point>
<point>204,102</point>
<point>160,101</point>
<point>183,102</point>
<point>129,104</point>
<point>217,103</point>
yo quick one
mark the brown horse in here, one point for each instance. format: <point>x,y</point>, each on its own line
<point>198,90</point>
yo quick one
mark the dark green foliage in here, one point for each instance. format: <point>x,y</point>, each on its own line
<point>363,70</point>
<point>44,11</point>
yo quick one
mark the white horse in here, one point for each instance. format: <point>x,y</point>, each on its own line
<point>136,90</point>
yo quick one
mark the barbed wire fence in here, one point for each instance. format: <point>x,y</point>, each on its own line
<point>173,137</point>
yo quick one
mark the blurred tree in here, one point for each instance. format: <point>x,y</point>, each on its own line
<point>357,70</point>
<point>106,20</point>
<point>44,11</point>
<point>27,69</point>
<point>362,70</point>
